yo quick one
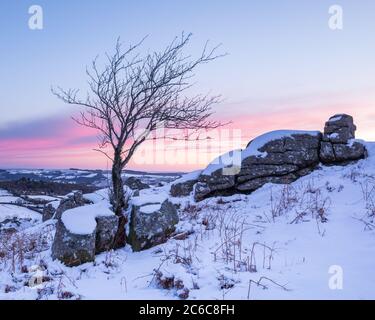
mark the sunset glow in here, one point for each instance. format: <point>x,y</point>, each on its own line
<point>273,77</point>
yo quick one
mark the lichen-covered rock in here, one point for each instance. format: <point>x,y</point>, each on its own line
<point>183,186</point>
<point>254,184</point>
<point>326,153</point>
<point>106,228</point>
<point>84,231</point>
<point>72,201</point>
<point>151,224</point>
<point>73,249</point>
<point>281,157</point>
<point>339,129</point>
<point>338,145</point>
<point>219,177</point>
<point>213,184</point>
<point>284,160</point>
<point>349,152</point>
<point>182,189</point>
<point>135,184</point>
<point>277,157</point>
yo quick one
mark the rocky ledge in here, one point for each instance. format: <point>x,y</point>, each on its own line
<point>278,157</point>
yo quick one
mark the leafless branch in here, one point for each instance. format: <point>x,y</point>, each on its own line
<point>131,95</point>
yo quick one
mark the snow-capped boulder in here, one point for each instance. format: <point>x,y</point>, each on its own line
<point>339,128</point>
<point>183,186</point>
<point>81,232</point>
<point>71,248</point>
<point>72,200</point>
<point>278,157</point>
<point>339,145</point>
<point>284,157</point>
<point>151,223</point>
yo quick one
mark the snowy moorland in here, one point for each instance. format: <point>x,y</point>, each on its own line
<point>311,239</point>
<point>97,178</point>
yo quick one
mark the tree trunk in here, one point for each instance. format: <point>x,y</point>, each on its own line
<point>118,201</point>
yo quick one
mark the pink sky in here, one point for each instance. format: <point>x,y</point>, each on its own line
<point>61,143</point>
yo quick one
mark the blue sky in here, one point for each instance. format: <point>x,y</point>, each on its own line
<point>282,55</point>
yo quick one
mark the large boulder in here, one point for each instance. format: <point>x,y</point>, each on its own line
<point>277,157</point>
<point>72,248</point>
<point>183,186</point>
<point>71,201</point>
<point>284,157</point>
<point>82,232</point>
<point>339,145</point>
<point>219,177</point>
<point>339,128</point>
<point>151,223</point>
<point>280,157</point>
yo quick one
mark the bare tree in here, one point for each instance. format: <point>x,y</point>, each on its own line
<point>132,91</point>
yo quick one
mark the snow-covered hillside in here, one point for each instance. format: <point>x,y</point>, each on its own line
<point>311,239</point>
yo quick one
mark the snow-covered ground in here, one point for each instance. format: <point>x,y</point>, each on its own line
<point>312,239</point>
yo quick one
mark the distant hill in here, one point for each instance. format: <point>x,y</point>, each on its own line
<point>81,176</point>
